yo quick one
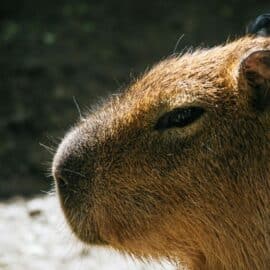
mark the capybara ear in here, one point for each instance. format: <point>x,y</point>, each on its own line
<point>260,26</point>
<point>255,73</point>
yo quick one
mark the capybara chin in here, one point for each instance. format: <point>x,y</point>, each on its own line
<point>177,166</point>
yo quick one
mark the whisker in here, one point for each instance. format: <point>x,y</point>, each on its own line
<point>48,148</point>
<point>177,43</point>
<point>74,172</point>
<point>208,148</point>
<point>54,140</point>
<point>50,192</point>
<point>47,164</point>
<point>78,108</point>
<point>48,175</point>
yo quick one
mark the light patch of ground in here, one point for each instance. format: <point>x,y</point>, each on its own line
<point>34,236</point>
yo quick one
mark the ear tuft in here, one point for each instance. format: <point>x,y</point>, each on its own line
<point>255,69</point>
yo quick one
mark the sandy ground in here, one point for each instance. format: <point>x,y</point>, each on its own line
<point>34,236</point>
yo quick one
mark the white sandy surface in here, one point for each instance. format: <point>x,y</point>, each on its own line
<point>34,236</point>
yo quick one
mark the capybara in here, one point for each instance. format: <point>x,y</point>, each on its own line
<point>177,165</point>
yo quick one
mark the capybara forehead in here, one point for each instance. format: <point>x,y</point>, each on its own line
<point>203,77</point>
<point>193,76</point>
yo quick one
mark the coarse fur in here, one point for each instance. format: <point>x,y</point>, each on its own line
<point>197,195</point>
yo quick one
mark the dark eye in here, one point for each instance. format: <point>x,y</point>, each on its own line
<point>180,117</point>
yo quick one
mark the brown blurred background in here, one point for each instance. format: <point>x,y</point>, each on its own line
<point>51,51</point>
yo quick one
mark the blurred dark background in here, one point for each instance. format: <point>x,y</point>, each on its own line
<point>51,51</point>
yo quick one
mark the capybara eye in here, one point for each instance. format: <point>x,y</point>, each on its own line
<point>179,117</point>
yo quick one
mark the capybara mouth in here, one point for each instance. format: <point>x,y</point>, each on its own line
<point>83,228</point>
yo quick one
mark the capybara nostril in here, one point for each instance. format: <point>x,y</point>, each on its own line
<point>66,171</point>
<point>260,26</point>
<point>61,181</point>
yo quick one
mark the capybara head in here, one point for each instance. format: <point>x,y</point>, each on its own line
<point>177,165</point>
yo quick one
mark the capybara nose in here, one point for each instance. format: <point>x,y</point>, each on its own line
<point>260,26</point>
<point>68,162</point>
<point>66,171</point>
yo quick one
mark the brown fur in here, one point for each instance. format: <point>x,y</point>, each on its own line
<point>197,195</point>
